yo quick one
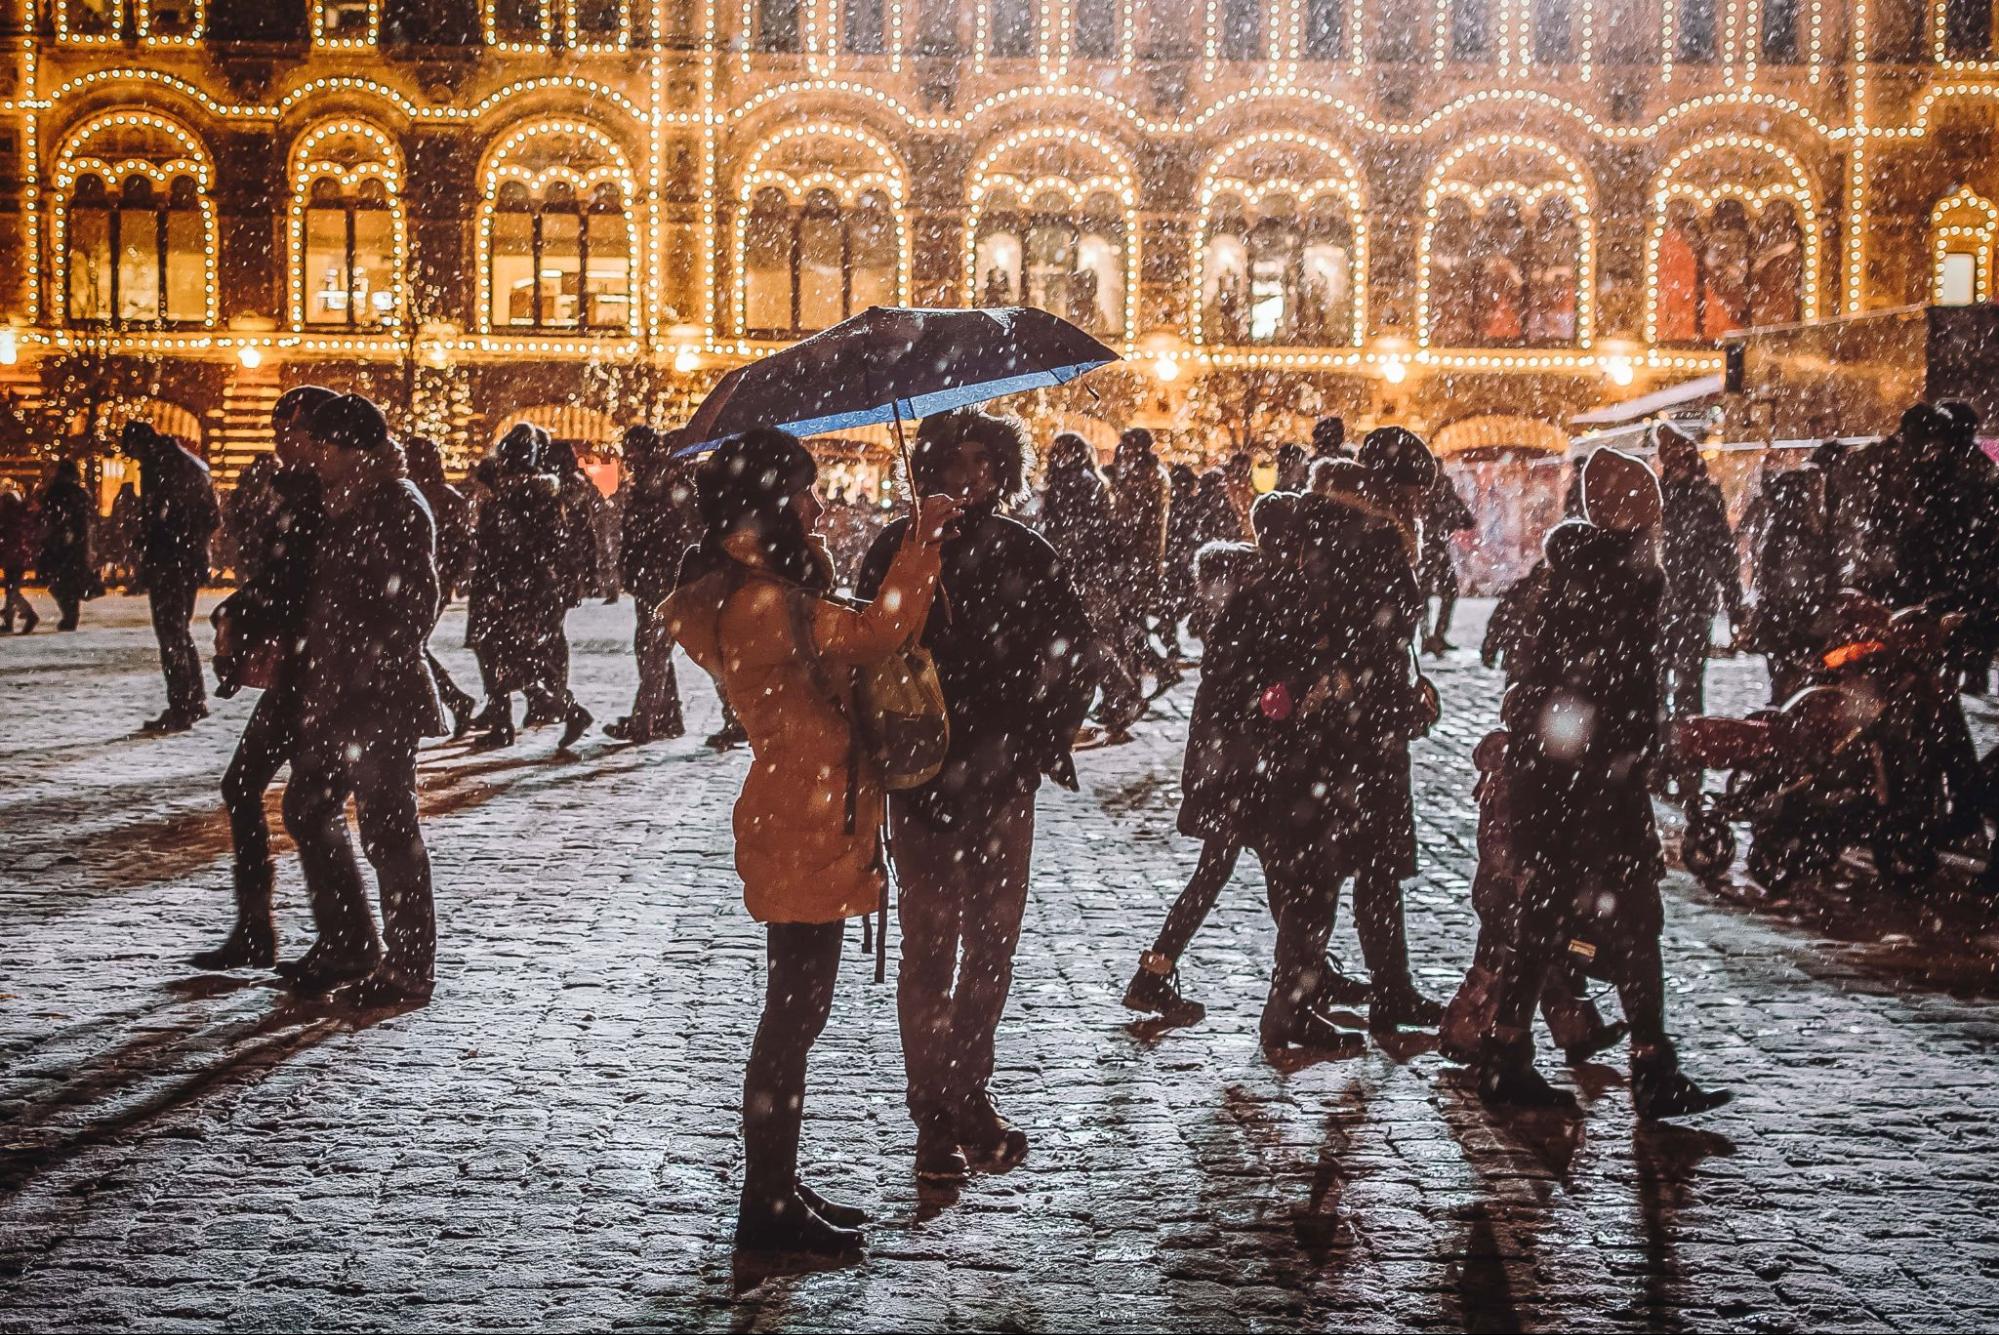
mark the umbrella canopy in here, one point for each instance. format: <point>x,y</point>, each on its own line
<point>891,364</point>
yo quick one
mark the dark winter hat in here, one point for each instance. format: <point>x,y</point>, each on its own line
<point>638,442</point>
<point>518,450</point>
<point>1398,456</point>
<point>301,401</point>
<point>1070,452</point>
<point>349,422</point>
<point>1963,418</point>
<point>1135,438</point>
<point>1329,435</point>
<point>1337,477</point>
<point>1270,517</point>
<point>1923,425</point>
<point>1620,492</point>
<point>426,460</point>
<point>752,477</point>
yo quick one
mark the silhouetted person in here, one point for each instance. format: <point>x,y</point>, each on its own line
<point>1011,656</point>
<point>1139,516</point>
<point>452,515</point>
<point>17,550</point>
<point>65,563</point>
<point>519,592</point>
<point>1795,580</point>
<point>180,516</point>
<point>1077,520</point>
<point>752,609</point>
<point>549,699</point>
<point>260,634</point>
<point>1702,572</point>
<point>1293,467</point>
<point>661,523</point>
<point>365,702</point>
<point>126,530</point>
<point>1329,439</point>
<point>1444,514</point>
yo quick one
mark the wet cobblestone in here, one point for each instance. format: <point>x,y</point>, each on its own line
<point>552,1143</point>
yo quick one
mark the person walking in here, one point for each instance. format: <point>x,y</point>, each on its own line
<point>64,562</point>
<point>260,629</point>
<point>1077,520</point>
<point>1578,800</point>
<point>1007,634</point>
<point>452,515</point>
<point>1138,488</point>
<point>660,525</point>
<point>752,610</point>
<point>1444,514</point>
<point>127,521</point>
<point>366,700</point>
<point>549,699</point>
<point>17,550</point>
<point>180,516</point>
<point>1702,573</point>
<point>1795,581</point>
<point>518,592</point>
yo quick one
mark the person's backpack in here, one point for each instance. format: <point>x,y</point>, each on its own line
<point>898,718</point>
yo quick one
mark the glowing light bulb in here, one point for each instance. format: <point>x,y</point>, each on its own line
<point>687,360</point>
<point>1394,371</point>
<point>1167,369</point>
<point>1619,370</point>
<point>251,356</point>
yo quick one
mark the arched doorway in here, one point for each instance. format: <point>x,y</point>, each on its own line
<point>1512,472</point>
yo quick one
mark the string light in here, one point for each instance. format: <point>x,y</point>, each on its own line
<point>505,164</point>
<point>382,164</point>
<point>1951,235</point>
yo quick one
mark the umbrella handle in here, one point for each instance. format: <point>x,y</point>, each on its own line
<point>908,473</point>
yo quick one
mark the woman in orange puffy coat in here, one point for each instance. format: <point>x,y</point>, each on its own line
<point>752,610</point>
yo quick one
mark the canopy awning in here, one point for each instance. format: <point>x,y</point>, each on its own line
<point>1658,401</point>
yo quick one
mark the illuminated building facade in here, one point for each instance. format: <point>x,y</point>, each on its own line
<point>1476,216</point>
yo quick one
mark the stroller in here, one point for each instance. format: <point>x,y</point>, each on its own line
<point>1854,761</point>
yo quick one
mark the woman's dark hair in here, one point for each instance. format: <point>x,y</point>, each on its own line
<point>746,485</point>
<point>66,470</point>
<point>1270,517</point>
<point>1070,453</point>
<point>1004,439</point>
<point>518,452</point>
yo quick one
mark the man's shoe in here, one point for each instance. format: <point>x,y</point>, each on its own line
<point>938,1158</point>
<point>1159,993</point>
<point>493,739</point>
<point>839,1216</point>
<point>1336,989</point>
<point>174,720</point>
<point>1309,1031</point>
<point>1516,1084</point>
<point>251,944</point>
<point>985,1136</point>
<point>322,968</point>
<point>728,737</point>
<point>1659,1090</point>
<point>574,725</point>
<point>791,1227</point>
<point>29,620</point>
<point>1600,1040</point>
<point>620,729</point>
<point>1403,1007</point>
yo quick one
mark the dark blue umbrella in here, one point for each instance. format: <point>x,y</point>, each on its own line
<point>892,364</point>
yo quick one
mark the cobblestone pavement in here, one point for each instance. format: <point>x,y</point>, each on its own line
<point>552,1143</point>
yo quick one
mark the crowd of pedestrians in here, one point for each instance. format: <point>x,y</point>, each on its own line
<point>1018,624</point>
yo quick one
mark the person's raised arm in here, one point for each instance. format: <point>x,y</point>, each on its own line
<point>897,614</point>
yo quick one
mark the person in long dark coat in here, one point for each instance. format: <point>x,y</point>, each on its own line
<point>366,700</point>
<point>181,516</point>
<point>122,551</point>
<point>1699,556</point>
<point>452,515</point>
<point>549,699</point>
<point>247,515</point>
<point>1077,520</point>
<point>1795,580</point>
<point>519,593</point>
<point>1007,634</point>
<point>1583,730</point>
<point>1139,512</point>
<point>17,550</point>
<point>661,523</point>
<point>266,617</point>
<point>64,562</point>
<point>1444,514</point>
<point>1177,597</point>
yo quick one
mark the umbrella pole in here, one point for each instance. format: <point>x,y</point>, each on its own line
<point>902,446</point>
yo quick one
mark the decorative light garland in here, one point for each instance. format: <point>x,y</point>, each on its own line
<point>384,166</point>
<point>501,166</point>
<point>1983,236</point>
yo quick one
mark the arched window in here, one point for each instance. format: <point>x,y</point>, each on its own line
<point>556,238</point>
<point>350,254</point>
<point>1732,243</point>
<point>1052,227</point>
<point>818,233</point>
<point>1279,273</point>
<point>1963,230</point>
<point>1012,32</point>
<point>135,231</point>
<point>1966,30</point>
<point>1506,263</point>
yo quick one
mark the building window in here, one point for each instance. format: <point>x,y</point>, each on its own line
<point>861,27</point>
<point>1963,231</point>
<point>1242,30</point>
<point>1325,29</point>
<point>348,22</point>
<point>560,260</point>
<point>1554,31</point>
<point>90,20</point>
<point>1096,29</point>
<point>813,263</point>
<point>350,255</point>
<point>1725,269</point>
<point>137,252</point>
<point>1780,31</point>
<point>519,22</point>
<point>170,20</point>
<point>1967,29</point>
<point>1506,274</point>
<point>1470,29</point>
<point>1060,254</point>
<point>1696,32</point>
<point>1278,275</point>
<point>1013,33</point>
<point>597,23</point>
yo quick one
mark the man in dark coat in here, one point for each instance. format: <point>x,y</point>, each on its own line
<point>1703,572</point>
<point>1139,492</point>
<point>661,523</point>
<point>180,517</point>
<point>519,593</point>
<point>452,514</point>
<point>17,549</point>
<point>366,699</point>
<point>1583,726</point>
<point>1077,520</point>
<point>266,618</point>
<point>1444,513</point>
<point>64,562</point>
<point>1008,634</point>
<point>549,699</point>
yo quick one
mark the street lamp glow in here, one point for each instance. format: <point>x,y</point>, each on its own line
<point>1167,369</point>
<point>251,356</point>
<point>1394,371</point>
<point>687,360</point>
<point>1619,370</point>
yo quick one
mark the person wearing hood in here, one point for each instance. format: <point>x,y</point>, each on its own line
<point>1007,634</point>
<point>1582,720</point>
<point>64,560</point>
<point>180,517</point>
<point>1077,520</point>
<point>1698,554</point>
<point>518,594</point>
<point>753,610</point>
<point>365,702</point>
<point>452,514</point>
<point>1444,514</point>
<point>265,619</point>
<point>660,525</point>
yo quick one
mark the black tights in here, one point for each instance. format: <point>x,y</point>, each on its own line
<point>1197,901</point>
<point>804,961</point>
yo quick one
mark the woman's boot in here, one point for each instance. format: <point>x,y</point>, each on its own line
<point>1659,1090</point>
<point>253,942</point>
<point>787,1224</point>
<point>1507,1076</point>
